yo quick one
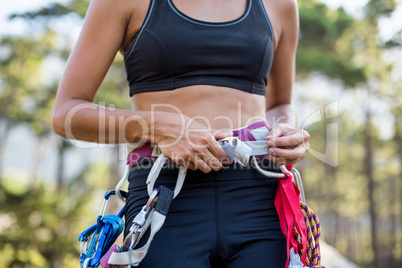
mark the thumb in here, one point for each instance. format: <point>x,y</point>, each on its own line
<point>219,135</point>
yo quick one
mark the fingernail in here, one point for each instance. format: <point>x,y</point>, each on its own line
<point>217,167</point>
<point>271,143</point>
<point>272,152</point>
<point>227,161</point>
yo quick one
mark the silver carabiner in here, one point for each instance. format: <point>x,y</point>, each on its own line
<point>297,178</point>
<point>140,221</point>
<point>299,184</point>
<point>266,172</point>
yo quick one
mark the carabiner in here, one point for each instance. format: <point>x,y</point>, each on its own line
<point>266,172</point>
<point>140,221</point>
<point>297,178</point>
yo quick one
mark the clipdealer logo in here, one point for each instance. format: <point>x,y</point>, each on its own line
<point>328,115</point>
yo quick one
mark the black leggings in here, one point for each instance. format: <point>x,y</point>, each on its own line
<point>220,219</point>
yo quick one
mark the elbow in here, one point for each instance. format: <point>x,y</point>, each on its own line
<point>58,120</point>
<point>277,105</point>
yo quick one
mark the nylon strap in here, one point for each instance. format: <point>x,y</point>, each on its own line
<point>156,169</point>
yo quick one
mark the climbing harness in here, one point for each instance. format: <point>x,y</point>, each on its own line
<point>298,223</point>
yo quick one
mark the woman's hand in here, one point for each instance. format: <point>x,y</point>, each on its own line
<point>189,143</point>
<point>287,144</point>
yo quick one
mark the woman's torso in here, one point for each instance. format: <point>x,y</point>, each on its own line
<point>216,106</point>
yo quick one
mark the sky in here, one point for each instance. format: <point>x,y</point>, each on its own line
<point>14,7</point>
<point>388,26</point>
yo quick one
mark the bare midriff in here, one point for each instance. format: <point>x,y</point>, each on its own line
<point>220,108</point>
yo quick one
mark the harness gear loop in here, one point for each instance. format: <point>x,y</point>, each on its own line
<point>156,169</point>
<point>121,183</point>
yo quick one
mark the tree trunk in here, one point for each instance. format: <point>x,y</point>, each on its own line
<point>390,261</point>
<point>396,190</point>
<point>37,160</point>
<point>60,166</point>
<point>3,138</point>
<point>368,171</point>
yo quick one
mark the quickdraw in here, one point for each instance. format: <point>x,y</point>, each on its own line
<point>99,237</point>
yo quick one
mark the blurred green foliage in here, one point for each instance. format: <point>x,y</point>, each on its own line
<point>322,32</point>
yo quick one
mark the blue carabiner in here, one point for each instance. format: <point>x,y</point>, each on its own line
<point>101,235</point>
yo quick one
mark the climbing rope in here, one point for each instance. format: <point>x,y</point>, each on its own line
<point>313,254</point>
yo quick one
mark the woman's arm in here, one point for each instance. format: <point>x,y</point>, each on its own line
<point>75,116</point>
<point>288,144</point>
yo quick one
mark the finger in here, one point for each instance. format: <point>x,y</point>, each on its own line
<point>194,161</point>
<point>294,154</point>
<point>202,164</point>
<point>188,159</point>
<point>210,160</point>
<point>214,148</point>
<point>210,144</point>
<point>221,154</point>
<point>206,161</point>
<point>192,166</point>
<point>288,141</point>
<point>217,152</point>
<point>219,135</point>
<point>279,160</point>
<point>179,159</point>
<point>275,132</point>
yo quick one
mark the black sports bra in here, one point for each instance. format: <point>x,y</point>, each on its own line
<point>173,50</point>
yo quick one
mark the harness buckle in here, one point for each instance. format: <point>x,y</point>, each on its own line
<point>237,150</point>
